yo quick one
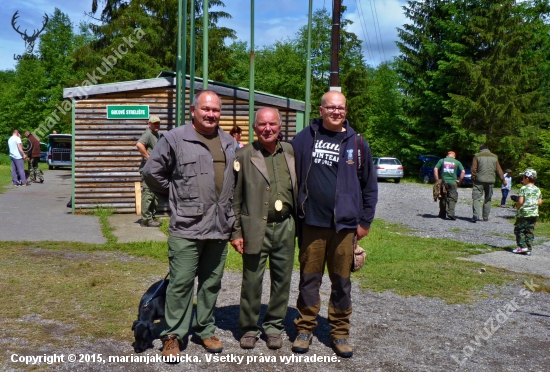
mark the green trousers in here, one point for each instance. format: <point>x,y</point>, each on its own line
<point>189,258</point>
<point>319,246</point>
<point>35,174</point>
<point>278,246</point>
<point>481,195</point>
<point>149,203</point>
<point>448,202</point>
<point>524,228</point>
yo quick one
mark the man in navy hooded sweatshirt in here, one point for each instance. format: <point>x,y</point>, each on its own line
<point>337,197</point>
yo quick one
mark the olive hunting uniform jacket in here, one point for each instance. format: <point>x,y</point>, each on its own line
<point>251,200</point>
<point>485,166</point>
<point>181,167</point>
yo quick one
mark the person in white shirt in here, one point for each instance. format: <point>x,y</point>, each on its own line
<point>18,157</point>
<point>506,189</point>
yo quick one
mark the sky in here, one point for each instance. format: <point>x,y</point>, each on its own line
<point>274,20</point>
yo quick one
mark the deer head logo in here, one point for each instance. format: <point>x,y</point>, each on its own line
<point>29,40</point>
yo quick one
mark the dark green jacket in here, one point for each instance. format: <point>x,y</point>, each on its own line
<point>485,166</point>
<point>251,195</point>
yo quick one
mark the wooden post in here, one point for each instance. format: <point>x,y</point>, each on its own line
<point>137,189</point>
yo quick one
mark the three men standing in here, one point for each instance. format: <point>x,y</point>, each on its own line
<point>337,197</point>
<point>450,169</point>
<point>194,165</point>
<point>264,205</point>
<point>145,145</point>
<point>485,166</point>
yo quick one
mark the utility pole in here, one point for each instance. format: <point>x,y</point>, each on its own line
<point>334,63</point>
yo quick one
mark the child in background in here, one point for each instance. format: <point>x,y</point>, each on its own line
<point>506,189</point>
<point>529,199</point>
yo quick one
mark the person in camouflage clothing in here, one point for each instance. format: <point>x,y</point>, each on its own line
<point>35,174</point>
<point>529,199</point>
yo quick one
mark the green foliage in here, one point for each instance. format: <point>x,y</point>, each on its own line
<point>475,72</point>
<point>30,93</point>
<point>153,26</point>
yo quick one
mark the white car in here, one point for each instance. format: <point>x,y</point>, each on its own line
<point>388,168</point>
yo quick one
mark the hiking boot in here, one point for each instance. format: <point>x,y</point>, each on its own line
<point>248,341</point>
<point>475,219</point>
<point>274,342</point>
<point>302,342</point>
<point>170,346</point>
<point>452,218</point>
<point>342,348</point>
<point>153,223</point>
<point>212,344</point>
<point>485,219</point>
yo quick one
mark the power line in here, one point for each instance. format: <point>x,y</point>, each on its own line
<point>375,33</point>
<point>378,23</point>
<point>364,27</point>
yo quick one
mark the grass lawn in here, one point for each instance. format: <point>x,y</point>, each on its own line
<point>92,290</point>
<point>5,173</point>
<point>89,290</point>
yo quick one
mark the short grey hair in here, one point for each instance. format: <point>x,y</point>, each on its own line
<point>270,108</point>
<point>200,93</point>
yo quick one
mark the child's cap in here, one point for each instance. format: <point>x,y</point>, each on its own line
<point>530,173</point>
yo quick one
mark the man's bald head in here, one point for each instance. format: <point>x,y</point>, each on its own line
<point>332,94</point>
<point>451,154</point>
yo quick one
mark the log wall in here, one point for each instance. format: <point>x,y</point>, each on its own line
<point>106,159</point>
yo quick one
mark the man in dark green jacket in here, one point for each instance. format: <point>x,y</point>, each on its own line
<point>264,205</point>
<point>485,166</point>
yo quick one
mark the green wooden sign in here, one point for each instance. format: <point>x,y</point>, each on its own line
<point>128,112</point>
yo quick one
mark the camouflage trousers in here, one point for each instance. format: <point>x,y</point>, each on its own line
<point>35,174</point>
<point>523,228</point>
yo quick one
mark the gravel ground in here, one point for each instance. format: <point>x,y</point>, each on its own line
<point>505,329</point>
<point>412,205</point>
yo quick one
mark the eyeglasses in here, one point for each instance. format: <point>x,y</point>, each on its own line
<point>331,109</point>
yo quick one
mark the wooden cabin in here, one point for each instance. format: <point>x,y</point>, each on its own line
<point>106,161</point>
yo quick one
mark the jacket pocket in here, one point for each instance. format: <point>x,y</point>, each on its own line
<point>188,192</point>
<point>229,219</point>
<point>189,215</point>
<point>348,209</point>
<point>188,169</point>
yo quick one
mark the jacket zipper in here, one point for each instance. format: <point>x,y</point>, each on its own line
<point>336,189</point>
<point>307,175</point>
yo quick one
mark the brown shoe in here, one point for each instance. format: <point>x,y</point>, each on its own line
<point>170,346</point>
<point>248,341</point>
<point>302,342</point>
<point>342,348</point>
<point>212,344</point>
<point>274,341</point>
<point>153,223</point>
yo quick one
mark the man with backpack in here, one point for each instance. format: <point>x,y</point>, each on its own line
<point>337,196</point>
<point>450,170</point>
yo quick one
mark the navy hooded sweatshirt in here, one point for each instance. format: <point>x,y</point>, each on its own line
<point>356,194</point>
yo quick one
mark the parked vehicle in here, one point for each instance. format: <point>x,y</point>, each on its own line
<point>60,151</point>
<point>43,152</point>
<point>388,168</point>
<point>426,172</point>
<point>467,180</point>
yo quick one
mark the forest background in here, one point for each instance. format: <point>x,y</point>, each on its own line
<point>470,72</point>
